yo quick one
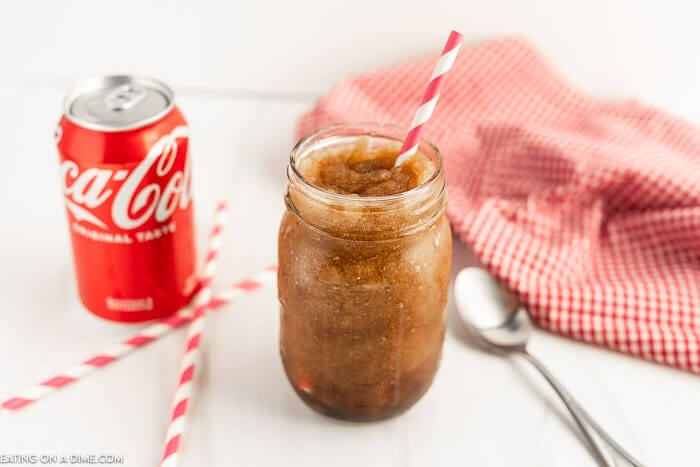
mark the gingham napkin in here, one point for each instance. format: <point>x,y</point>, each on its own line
<point>588,210</point>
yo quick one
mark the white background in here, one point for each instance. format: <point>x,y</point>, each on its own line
<point>243,72</point>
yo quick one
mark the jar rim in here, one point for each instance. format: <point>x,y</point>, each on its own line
<point>422,189</point>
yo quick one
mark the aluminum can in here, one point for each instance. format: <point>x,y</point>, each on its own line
<point>125,171</point>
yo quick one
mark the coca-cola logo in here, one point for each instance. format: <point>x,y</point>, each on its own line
<point>153,189</point>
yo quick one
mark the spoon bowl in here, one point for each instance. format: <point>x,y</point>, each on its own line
<point>490,312</point>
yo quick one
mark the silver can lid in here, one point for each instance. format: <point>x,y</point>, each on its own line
<point>118,103</point>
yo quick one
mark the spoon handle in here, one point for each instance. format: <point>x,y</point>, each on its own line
<point>600,441</point>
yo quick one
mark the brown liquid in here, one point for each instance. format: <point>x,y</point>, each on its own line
<point>363,290</point>
<point>359,170</point>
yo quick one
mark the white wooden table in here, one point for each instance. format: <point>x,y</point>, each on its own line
<point>481,411</point>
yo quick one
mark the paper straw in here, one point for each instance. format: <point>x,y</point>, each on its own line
<point>184,391</point>
<point>142,338</point>
<point>430,98</point>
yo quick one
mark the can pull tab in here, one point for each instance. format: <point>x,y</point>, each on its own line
<point>125,97</point>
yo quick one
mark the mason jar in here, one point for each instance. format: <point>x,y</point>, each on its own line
<point>362,284</point>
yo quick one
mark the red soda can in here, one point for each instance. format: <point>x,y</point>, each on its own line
<point>126,178</point>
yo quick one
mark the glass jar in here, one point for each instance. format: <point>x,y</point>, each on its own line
<point>362,285</point>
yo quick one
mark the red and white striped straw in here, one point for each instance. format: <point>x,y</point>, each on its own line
<point>142,338</point>
<point>184,391</point>
<point>430,98</point>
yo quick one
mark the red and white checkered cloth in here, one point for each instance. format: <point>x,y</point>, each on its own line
<point>588,210</point>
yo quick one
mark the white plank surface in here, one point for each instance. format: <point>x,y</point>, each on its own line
<point>481,410</point>
<point>304,45</point>
<point>612,48</point>
<point>244,71</point>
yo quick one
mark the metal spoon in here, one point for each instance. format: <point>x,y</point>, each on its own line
<point>501,324</point>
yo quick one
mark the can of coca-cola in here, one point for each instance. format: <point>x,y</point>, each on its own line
<point>126,179</point>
